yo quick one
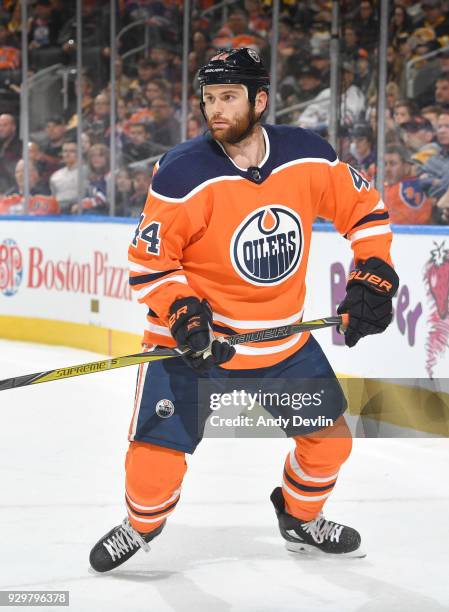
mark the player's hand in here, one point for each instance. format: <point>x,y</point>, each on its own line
<point>190,325</point>
<point>368,302</point>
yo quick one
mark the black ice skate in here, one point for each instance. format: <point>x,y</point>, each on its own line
<point>316,536</point>
<point>118,545</point>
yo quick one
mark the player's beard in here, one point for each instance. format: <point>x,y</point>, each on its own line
<point>242,127</point>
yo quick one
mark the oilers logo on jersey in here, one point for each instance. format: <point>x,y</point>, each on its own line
<point>267,246</point>
<point>165,408</point>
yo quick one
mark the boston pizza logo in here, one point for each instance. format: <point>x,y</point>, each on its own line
<point>267,246</point>
<point>11,267</point>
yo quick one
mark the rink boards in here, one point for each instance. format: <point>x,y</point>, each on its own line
<point>65,281</point>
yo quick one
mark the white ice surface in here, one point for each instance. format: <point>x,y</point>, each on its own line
<point>61,488</point>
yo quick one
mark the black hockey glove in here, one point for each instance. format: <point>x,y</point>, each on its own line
<point>368,302</point>
<point>190,325</point>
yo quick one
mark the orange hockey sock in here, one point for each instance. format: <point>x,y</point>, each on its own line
<point>311,469</point>
<point>153,483</point>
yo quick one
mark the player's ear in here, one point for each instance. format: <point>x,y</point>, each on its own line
<point>261,101</point>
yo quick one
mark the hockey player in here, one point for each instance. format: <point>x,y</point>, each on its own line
<point>222,247</point>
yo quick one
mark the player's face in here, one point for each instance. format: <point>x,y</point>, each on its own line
<point>230,116</point>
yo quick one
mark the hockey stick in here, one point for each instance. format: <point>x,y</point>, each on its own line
<point>259,335</point>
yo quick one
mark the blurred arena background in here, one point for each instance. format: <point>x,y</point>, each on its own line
<point>370,76</point>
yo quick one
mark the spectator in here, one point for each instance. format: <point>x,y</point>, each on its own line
<point>153,89</point>
<point>122,82</point>
<point>166,62</point>
<point>404,110</point>
<point>423,41</point>
<point>344,146</point>
<point>193,66</point>
<point>403,195</point>
<point>443,62</point>
<point>424,83</point>
<point>310,84</point>
<point>320,60</point>
<point>200,22</point>
<point>413,8</point>
<point>98,165</point>
<point>87,101</point>
<point>435,17</point>
<point>362,148</point>
<point>9,48</point>
<point>164,129</point>
<point>418,136</point>
<point>141,180</point>
<point>86,144</point>
<point>37,186</point>
<point>393,95</point>
<point>201,45</point>
<point>139,145</point>
<point>364,72</point>
<point>391,135</point>
<point>367,25</point>
<point>55,130</point>
<point>432,113</point>
<point>45,165</point>
<point>195,127</point>
<point>40,202</point>
<point>352,99</point>
<point>236,31</point>
<point>257,21</point>
<point>194,105</point>
<point>442,89</point>
<point>43,26</point>
<point>10,151</point>
<point>319,35</point>
<point>64,182</point>
<point>96,198</point>
<point>285,29</point>
<point>96,28</point>
<point>400,24</point>
<point>350,47</point>
<point>121,124</point>
<point>404,46</point>
<point>98,124</point>
<point>147,70</point>
<point>434,175</point>
<point>395,67</point>
<point>123,192</point>
<point>352,103</point>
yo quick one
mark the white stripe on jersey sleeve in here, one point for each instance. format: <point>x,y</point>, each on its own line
<point>376,230</point>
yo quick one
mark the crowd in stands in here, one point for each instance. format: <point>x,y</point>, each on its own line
<point>148,81</point>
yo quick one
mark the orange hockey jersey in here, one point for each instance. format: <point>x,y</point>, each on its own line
<point>38,205</point>
<point>407,203</point>
<point>241,238</point>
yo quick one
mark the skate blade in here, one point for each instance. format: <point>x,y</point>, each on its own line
<point>313,551</point>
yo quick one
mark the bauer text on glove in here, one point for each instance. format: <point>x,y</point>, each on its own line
<point>368,302</point>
